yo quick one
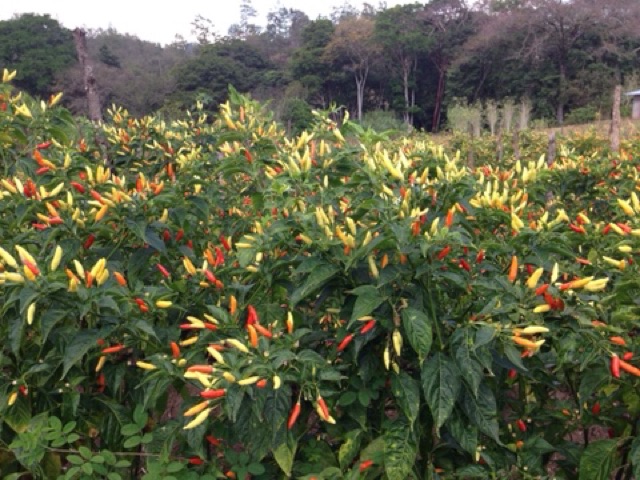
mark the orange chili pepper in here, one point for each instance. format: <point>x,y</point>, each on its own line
<point>513,269</point>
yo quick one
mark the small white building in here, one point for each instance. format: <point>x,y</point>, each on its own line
<point>635,104</point>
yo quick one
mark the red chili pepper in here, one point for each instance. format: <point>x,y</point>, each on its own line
<point>323,406</point>
<point>42,170</point>
<point>365,464</point>
<point>175,350</point>
<point>577,228</point>
<point>43,145</point>
<point>190,244</point>
<point>113,348</point>
<point>78,186</point>
<point>293,416</point>
<point>542,289</point>
<point>196,460</point>
<point>262,331</point>
<point>179,235</point>
<point>24,390</point>
<point>624,227</point>
<point>464,264</point>
<point>444,252</point>
<point>166,235</point>
<point>89,241</point>
<point>367,327</point>
<point>606,229</point>
<point>614,366</point>
<point>224,243</point>
<point>261,383</point>
<point>165,273</point>
<point>247,155</point>
<point>252,315</point>
<point>512,373</point>
<point>345,342</point>
<point>216,442</point>
<point>55,221</point>
<point>449,219</point>
<point>39,226</point>
<point>219,257</point>
<point>595,409</point>
<point>97,196</point>
<point>35,270</point>
<point>480,256</point>
<point>521,425</point>
<point>627,356</point>
<point>211,394</point>
<point>210,276</point>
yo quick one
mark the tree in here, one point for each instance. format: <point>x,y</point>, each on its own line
<point>400,32</point>
<point>449,25</point>
<point>142,82</point>
<point>283,34</point>
<point>38,47</point>
<point>353,46</point>
<point>215,67</point>
<point>556,32</point>
<point>107,57</point>
<point>204,30</point>
<point>245,28</point>
<point>307,65</point>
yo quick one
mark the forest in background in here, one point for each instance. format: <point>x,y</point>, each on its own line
<point>418,64</point>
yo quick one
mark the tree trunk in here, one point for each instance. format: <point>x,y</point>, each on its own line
<point>615,121</point>
<point>361,80</point>
<point>405,85</point>
<point>561,93</point>
<point>435,122</point>
<point>90,87</point>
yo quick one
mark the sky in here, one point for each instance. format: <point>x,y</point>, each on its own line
<point>160,21</point>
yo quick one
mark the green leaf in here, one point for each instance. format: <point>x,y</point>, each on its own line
<point>233,401</point>
<point>320,276</point>
<point>16,329</point>
<point>466,435</point>
<point>18,416</point>
<point>154,241</point>
<point>400,450</point>
<point>368,299</point>
<point>418,327</point>
<point>596,462</point>
<point>140,417</point>
<point>84,341</point>
<point>482,411</point>
<point>130,429</point>
<point>349,448</point>
<point>285,453</point>
<point>634,456</point>
<point>132,441</point>
<point>49,320</point>
<point>406,390</point>
<point>441,386</point>
<point>471,370</point>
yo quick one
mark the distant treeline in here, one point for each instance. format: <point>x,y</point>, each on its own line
<point>410,63</point>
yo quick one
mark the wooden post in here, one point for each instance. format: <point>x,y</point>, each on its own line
<point>551,149</point>
<point>551,157</point>
<point>470,156</point>
<point>615,121</point>
<point>90,86</point>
